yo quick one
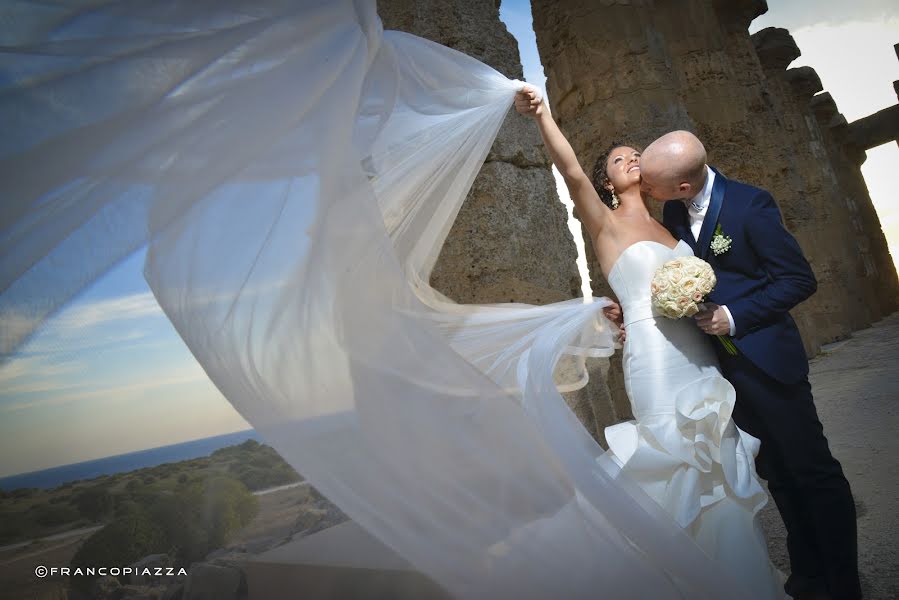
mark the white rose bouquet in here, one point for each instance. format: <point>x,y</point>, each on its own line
<point>681,285</point>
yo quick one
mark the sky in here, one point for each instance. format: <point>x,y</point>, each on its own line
<point>109,374</point>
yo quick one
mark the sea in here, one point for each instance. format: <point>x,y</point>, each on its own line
<point>122,463</point>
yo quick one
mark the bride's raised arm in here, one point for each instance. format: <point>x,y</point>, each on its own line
<point>590,209</point>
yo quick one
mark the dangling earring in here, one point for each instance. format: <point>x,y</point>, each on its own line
<point>615,200</point>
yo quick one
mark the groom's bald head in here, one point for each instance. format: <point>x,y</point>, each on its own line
<point>673,166</point>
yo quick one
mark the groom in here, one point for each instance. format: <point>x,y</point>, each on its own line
<point>762,274</point>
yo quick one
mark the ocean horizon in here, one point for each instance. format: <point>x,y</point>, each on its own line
<point>123,463</point>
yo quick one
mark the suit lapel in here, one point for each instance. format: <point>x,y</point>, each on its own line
<point>711,216</point>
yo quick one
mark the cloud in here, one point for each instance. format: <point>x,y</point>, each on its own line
<point>28,374</point>
<point>87,325</point>
<point>796,14</point>
<point>133,306</point>
<point>120,392</point>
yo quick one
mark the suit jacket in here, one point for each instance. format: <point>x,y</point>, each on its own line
<point>760,277</point>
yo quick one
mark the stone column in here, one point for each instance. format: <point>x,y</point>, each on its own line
<point>510,241</point>
<point>874,262</point>
<point>839,306</point>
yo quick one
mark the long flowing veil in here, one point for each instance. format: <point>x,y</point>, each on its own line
<point>295,170</point>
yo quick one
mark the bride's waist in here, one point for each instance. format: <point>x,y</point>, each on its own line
<point>639,311</point>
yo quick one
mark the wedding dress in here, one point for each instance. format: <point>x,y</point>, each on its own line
<point>683,447</point>
<point>293,171</point>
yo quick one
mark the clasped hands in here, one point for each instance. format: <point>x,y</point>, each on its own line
<point>712,319</point>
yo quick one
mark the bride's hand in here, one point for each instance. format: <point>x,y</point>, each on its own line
<point>529,102</point>
<point>613,313</point>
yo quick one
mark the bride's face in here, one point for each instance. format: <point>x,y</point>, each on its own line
<point>623,168</point>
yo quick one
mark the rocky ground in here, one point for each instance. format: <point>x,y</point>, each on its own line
<point>856,387</point>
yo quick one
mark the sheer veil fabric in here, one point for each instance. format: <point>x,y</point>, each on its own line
<point>295,170</point>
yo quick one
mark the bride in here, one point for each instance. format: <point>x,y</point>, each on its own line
<point>683,448</point>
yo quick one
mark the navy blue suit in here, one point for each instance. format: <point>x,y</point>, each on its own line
<point>760,278</point>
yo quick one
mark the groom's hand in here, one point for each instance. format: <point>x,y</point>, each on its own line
<point>528,101</point>
<point>713,320</point>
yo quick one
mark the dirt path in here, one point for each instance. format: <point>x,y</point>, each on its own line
<point>856,387</point>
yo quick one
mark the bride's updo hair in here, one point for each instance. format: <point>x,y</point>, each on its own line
<point>600,176</point>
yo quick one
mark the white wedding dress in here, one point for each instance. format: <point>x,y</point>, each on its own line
<point>683,448</point>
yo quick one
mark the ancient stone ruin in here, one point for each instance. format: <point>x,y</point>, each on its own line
<point>630,70</point>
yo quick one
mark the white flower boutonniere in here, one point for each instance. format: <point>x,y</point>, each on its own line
<point>720,242</point>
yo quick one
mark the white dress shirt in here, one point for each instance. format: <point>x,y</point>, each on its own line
<point>696,208</point>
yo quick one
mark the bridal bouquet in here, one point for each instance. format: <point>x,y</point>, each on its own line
<point>681,285</point>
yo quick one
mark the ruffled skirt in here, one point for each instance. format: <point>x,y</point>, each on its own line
<point>685,451</point>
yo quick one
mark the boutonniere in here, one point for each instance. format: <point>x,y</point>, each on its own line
<point>720,242</point>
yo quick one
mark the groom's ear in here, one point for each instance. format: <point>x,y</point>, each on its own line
<point>686,189</point>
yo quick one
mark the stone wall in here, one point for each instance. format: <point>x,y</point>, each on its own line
<point>873,261</point>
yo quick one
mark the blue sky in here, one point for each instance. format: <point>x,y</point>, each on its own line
<point>108,374</point>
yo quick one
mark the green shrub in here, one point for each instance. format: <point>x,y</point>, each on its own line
<point>95,502</point>
<point>201,515</point>
<point>53,515</point>
<point>125,540</point>
<point>264,462</point>
<point>226,505</point>
<point>260,479</point>
<point>188,523</point>
<point>11,528</point>
<point>185,535</point>
<point>250,445</point>
<point>23,493</point>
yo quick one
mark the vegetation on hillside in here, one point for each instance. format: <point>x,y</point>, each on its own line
<point>29,513</point>
<point>186,524</point>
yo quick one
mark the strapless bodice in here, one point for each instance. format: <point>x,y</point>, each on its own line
<point>632,274</point>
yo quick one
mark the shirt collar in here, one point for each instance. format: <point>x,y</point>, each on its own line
<point>701,200</point>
